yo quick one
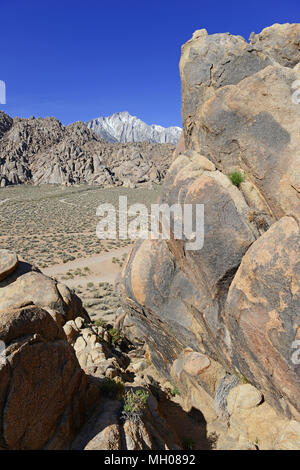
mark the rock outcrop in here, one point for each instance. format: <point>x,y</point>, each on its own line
<point>236,300</point>
<point>122,127</point>
<point>45,396</point>
<point>43,151</point>
<point>21,284</point>
<point>61,375</point>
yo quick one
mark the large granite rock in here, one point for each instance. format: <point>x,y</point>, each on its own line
<point>44,394</point>
<point>25,285</point>
<point>263,313</point>
<point>258,136</point>
<point>210,62</point>
<point>281,42</point>
<point>8,263</point>
<point>236,299</point>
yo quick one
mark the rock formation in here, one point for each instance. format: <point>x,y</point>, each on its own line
<point>45,397</point>
<point>43,151</point>
<point>236,301</point>
<point>122,127</point>
<point>60,373</point>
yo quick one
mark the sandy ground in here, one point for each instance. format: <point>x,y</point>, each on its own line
<point>101,268</point>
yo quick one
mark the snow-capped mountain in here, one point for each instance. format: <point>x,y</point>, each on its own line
<point>122,127</point>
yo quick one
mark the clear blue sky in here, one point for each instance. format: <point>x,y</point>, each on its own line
<point>77,60</point>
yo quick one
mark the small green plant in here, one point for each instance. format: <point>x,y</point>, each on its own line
<point>135,402</point>
<point>112,389</point>
<point>114,334</point>
<point>236,178</point>
<point>188,443</point>
<point>175,391</point>
<point>100,322</point>
<point>242,378</point>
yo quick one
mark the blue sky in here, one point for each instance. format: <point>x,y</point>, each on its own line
<point>77,60</point>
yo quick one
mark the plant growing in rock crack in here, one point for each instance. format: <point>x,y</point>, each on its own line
<point>135,402</point>
<point>100,323</point>
<point>236,178</point>
<point>175,391</point>
<point>114,334</point>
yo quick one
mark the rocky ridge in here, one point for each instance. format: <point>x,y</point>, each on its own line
<point>43,151</point>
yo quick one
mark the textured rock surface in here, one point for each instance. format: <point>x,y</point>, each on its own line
<point>263,312</point>
<point>5,123</point>
<point>41,151</point>
<point>235,300</point>
<point>122,127</point>
<point>44,394</point>
<point>56,382</point>
<point>281,42</point>
<point>238,132</point>
<point>26,286</point>
<point>8,263</point>
<point>210,62</point>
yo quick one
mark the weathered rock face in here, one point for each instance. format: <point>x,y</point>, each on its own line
<point>58,371</point>
<point>263,308</point>
<point>44,394</point>
<point>43,151</point>
<point>211,62</point>
<point>236,299</point>
<point>280,42</point>
<point>21,284</point>
<point>8,263</point>
<point>5,123</point>
<point>257,135</point>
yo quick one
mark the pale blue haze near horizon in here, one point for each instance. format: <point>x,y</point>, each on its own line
<point>80,60</point>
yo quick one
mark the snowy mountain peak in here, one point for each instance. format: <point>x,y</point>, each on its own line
<point>122,127</point>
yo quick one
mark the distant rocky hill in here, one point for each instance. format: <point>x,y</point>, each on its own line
<point>122,127</point>
<point>41,151</point>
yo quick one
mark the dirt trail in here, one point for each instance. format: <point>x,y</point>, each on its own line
<point>101,268</point>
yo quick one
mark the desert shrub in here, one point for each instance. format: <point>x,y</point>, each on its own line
<point>236,178</point>
<point>100,322</point>
<point>115,335</point>
<point>135,402</point>
<point>175,391</point>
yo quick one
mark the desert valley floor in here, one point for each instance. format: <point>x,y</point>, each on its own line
<point>54,228</point>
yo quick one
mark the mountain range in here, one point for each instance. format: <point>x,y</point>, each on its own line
<point>122,127</point>
<point>43,151</point>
